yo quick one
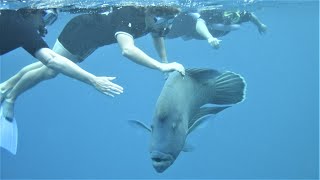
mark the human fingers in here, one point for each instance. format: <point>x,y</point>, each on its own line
<point>216,45</point>
<point>180,68</point>
<point>113,85</point>
<point>111,78</point>
<point>110,90</point>
<point>108,94</point>
<point>114,92</point>
<point>116,87</point>
<point>262,32</point>
<point>183,71</point>
<point>263,29</point>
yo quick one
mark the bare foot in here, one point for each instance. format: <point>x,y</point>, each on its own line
<point>8,110</point>
<point>3,94</point>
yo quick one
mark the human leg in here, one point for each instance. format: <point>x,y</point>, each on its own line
<point>31,78</point>
<point>6,86</point>
<point>27,81</point>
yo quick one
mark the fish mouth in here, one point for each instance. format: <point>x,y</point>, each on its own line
<point>161,161</point>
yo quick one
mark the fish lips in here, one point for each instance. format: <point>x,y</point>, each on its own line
<point>161,161</point>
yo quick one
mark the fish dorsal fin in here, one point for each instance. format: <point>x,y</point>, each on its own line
<point>202,74</point>
<point>203,115</point>
<point>139,124</point>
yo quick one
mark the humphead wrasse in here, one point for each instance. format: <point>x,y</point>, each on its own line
<point>183,105</point>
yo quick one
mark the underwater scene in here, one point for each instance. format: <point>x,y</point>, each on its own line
<point>159,89</point>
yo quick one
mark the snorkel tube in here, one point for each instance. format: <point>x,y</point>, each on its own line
<point>49,16</point>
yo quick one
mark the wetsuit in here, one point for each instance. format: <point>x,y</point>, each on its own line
<point>16,31</point>
<point>85,33</point>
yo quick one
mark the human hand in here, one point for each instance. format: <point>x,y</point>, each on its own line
<point>214,42</point>
<point>104,85</point>
<point>169,67</point>
<point>43,31</point>
<point>262,29</point>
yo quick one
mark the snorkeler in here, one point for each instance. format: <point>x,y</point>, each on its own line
<point>221,22</point>
<point>211,24</point>
<point>87,32</point>
<point>24,28</point>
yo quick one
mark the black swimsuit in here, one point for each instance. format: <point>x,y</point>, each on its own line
<point>16,32</point>
<point>85,33</point>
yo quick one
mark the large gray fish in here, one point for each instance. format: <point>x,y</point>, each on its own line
<point>183,105</point>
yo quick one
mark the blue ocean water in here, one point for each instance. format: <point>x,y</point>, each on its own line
<point>69,130</point>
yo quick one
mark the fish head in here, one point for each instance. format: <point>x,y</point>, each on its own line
<point>168,135</point>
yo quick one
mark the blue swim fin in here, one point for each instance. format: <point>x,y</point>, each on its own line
<point>8,134</point>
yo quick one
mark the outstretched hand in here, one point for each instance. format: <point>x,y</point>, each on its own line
<point>169,67</point>
<point>262,29</point>
<point>214,42</point>
<point>104,85</point>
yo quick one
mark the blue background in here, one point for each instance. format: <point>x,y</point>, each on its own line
<point>69,130</point>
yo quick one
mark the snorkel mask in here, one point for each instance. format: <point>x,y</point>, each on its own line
<point>162,24</point>
<point>160,18</point>
<point>164,21</point>
<point>49,16</point>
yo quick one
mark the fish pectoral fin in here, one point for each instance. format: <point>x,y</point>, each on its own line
<point>188,148</point>
<point>229,89</point>
<point>221,88</point>
<point>203,116</point>
<point>139,124</point>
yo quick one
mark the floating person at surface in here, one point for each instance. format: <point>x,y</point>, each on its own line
<point>221,23</point>
<point>211,24</point>
<point>183,104</point>
<point>86,33</point>
<point>24,28</point>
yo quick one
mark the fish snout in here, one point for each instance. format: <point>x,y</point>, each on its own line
<point>161,161</point>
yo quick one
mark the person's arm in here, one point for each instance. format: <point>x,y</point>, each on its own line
<point>133,53</point>
<point>203,31</point>
<point>159,45</point>
<point>67,67</point>
<point>261,27</point>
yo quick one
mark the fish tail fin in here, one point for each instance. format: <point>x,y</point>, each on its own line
<point>229,88</point>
